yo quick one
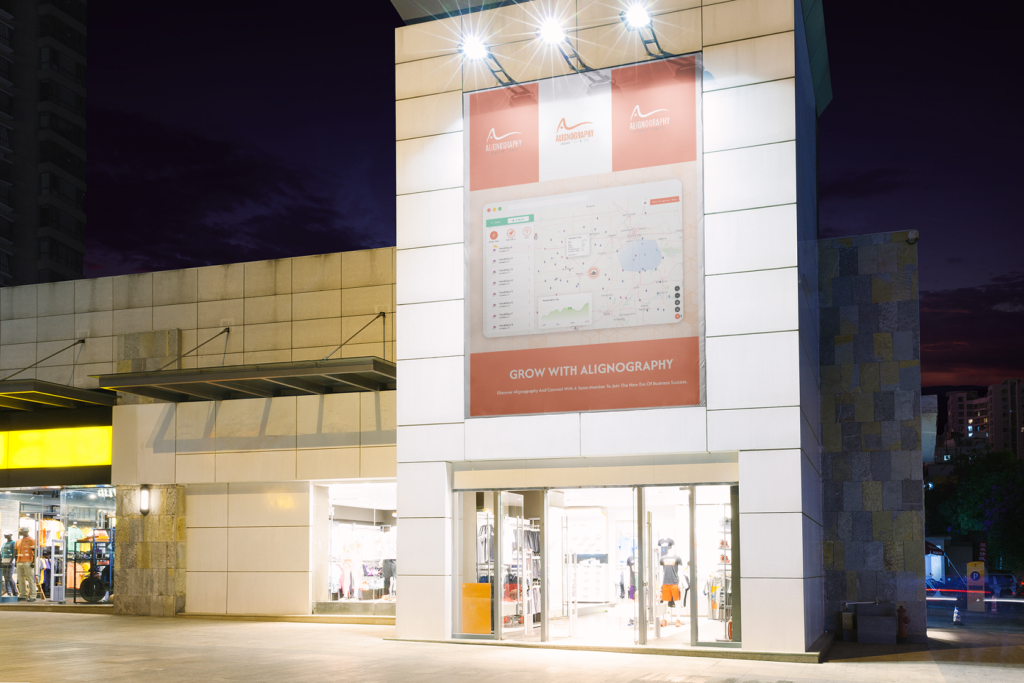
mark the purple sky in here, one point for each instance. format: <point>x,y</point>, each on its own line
<point>234,131</point>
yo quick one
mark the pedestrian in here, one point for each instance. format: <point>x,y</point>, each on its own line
<point>7,553</point>
<point>26,548</point>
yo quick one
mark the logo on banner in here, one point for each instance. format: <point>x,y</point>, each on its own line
<point>566,133</point>
<point>499,144</point>
<point>641,121</point>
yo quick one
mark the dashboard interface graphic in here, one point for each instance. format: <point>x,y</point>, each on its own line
<point>608,258</point>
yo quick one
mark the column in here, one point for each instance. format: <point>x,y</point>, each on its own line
<point>149,552</point>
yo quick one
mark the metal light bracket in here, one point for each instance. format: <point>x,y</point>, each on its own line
<point>647,42</point>
<point>572,57</point>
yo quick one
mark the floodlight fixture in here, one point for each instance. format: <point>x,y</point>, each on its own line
<point>475,49</point>
<point>552,33</point>
<point>637,18</point>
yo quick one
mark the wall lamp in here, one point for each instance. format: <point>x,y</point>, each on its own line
<point>552,33</point>
<point>474,49</point>
<point>637,18</point>
<point>144,499</point>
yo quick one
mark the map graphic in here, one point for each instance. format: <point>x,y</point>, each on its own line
<point>608,258</point>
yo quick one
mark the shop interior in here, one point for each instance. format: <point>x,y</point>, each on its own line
<point>73,532</point>
<point>363,544</point>
<point>597,547</point>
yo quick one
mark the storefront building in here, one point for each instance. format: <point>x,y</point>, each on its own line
<point>252,444</point>
<point>612,314</point>
<point>55,458</point>
<point>642,404</point>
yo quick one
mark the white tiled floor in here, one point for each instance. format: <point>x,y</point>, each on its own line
<point>160,650</point>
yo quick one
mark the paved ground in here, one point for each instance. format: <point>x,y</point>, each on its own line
<point>74,647</point>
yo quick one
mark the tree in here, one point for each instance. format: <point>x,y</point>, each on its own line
<point>985,493</point>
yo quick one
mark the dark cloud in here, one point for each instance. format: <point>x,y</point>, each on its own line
<point>863,185</point>
<point>162,196</point>
<point>972,335</point>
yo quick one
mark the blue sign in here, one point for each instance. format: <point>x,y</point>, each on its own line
<point>975,576</point>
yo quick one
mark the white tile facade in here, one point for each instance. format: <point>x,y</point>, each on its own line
<point>754,372</point>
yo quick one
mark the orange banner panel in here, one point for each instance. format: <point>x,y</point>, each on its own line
<point>619,376</point>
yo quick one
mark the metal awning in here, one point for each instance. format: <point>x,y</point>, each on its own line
<point>417,11</point>
<point>35,394</point>
<point>265,380</point>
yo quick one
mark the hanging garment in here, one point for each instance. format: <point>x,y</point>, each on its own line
<point>73,534</point>
<point>485,544</point>
<point>347,579</point>
<point>389,573</point>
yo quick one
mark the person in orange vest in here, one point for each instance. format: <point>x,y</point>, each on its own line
<point>26,549</point>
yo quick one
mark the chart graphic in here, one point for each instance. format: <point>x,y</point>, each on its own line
<point>608,258</point>
<point>556,312</point>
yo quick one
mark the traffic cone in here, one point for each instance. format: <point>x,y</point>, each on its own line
<point>956,616</point>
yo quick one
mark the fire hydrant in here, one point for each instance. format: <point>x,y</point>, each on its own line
<point>902,619</point>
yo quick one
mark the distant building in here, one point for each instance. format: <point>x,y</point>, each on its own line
<point>993,420</point>
<point>42,140</point>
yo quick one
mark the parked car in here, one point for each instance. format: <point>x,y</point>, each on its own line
<point>1001,583</point>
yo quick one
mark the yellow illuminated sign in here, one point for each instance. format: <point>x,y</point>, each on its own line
<point>73,447</point>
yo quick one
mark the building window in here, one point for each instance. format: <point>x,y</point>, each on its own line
<point>73,8</point>
<point>74,134</point>
<point>51,91</point>
<point>56,186</point>
<point>61,157</point>
<point>52,27</point>
<point>5,68</point>
<point>52,217</point>
<point>50,58</point>
<point>5,35</point>
<point>60,253</point>
<point>7,229</point>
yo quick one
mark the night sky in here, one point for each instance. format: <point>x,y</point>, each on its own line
<point>236,131</point>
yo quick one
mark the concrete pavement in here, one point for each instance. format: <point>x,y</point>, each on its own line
<point>41,647</point>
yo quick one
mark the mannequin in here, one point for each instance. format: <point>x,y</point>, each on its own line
<point>26,549</point>
<point>670,563</point>
<point>389,554</point>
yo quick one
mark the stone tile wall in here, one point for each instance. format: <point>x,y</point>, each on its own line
<point>149,562</point>
<point>283,310</point>
<point>872,467</point>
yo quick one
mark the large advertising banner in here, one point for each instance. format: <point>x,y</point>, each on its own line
<point>585,221</point>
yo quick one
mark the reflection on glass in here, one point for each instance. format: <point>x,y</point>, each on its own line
<point>668,510</point>
<point>714,553</point>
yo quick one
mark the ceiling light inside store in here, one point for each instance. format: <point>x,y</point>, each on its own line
<point>636,17</point>
<point>473,48</point>
<point>551,32</point>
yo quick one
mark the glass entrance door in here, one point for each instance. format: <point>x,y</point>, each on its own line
<point>667,546</point>
<point>650,565</point>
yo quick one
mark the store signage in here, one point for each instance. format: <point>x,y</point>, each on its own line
<point>56,448</point>
<point>585,223</point>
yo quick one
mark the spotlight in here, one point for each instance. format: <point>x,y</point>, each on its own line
<point>636,17</point>
<point>473,48</point>
<point>551,32</point>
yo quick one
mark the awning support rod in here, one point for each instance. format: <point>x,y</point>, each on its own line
<point>80,341</point>
<point>226,330</point>
<point>383,315</point>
